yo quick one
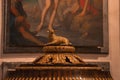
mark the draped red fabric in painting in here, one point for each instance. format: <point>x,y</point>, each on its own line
<point>90,7</point>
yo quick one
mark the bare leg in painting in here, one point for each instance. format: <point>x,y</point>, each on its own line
<point>53,15</point>
<point>47,6</point>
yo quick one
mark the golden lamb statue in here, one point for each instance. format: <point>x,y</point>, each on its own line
<point>57,40</point>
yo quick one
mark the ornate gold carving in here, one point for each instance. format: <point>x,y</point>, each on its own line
<point>58,49</point>
<point>59,59</point>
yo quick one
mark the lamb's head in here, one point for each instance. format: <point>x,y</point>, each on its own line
<point>51,32</point>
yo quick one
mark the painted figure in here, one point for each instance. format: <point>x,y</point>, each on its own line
<point>87,6</point>
<point>19,27</point>
<point>46,7</point>
<point>84,5</point>
<point>81,21</point>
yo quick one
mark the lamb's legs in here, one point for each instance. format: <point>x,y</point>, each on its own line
<point>51,43</point>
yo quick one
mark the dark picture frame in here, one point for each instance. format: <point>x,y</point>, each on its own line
<point>91,37</point>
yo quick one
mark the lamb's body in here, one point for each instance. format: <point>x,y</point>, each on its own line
<point>57,40</point>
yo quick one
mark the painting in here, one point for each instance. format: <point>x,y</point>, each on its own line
<point>83,22</point>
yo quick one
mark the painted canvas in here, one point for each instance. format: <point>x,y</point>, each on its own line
<point>83,22</point>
